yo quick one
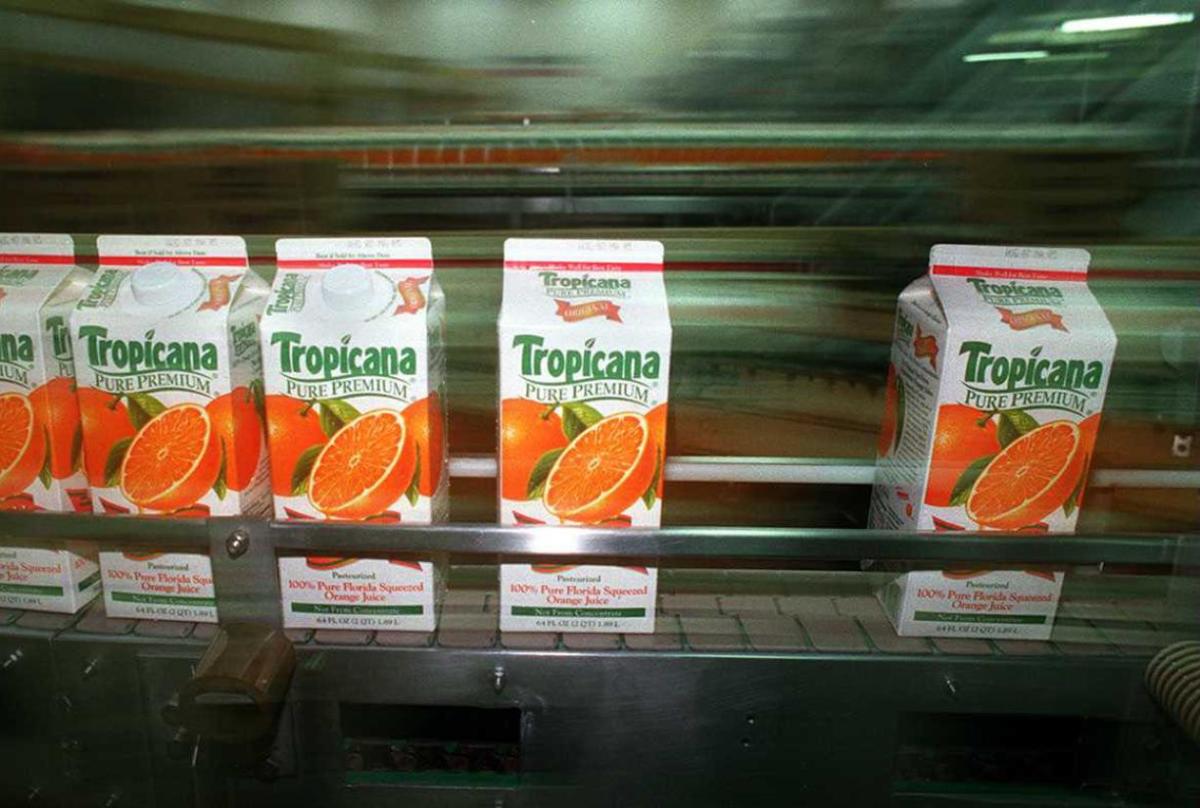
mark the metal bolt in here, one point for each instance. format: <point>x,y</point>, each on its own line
<point>238,543</point>
<point>951,686</point>
<point>498,678</point>
<point>65,704</point>
<point>113,800</point>
<point>90,668</point>
<point>34,794</point>
<point>12,659</point>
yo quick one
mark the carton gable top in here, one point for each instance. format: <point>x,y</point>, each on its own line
<point>401,274</point>
<point>32,267</point>
<point>556,283</point>
<point>215,267</point>
<point>1005,289</point>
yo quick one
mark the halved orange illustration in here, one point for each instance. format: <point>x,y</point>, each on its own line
<point>22,444</point>
<point>603,471</point>
<point>328,562</point>
<point>1029,478</point>
<point>364,468</point>
<point>172,461</point>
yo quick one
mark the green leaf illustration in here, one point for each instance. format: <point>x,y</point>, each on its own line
<point>112,465</point>
<point>77,448</point>
<point>304,465</point>
<point>651,493</point>
<point>900,410</point>
<point>260,400</point>
<point>220,487</point>
<point>335,414</point>
<point>1013,424</point>
<point>413,493</point>
<point>44,474</point>
<point>142,408</point>
<point>1073,501</point>
<point>541,470</point>
<point>966,480</point>
<point>577,417</point>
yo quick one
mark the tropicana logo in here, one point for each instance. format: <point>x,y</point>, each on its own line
<point>289,295</point>
<point>1015,294</point>
<point>588,364</point>
<point>573,285</point>
<point>146,354</point>
<point>16,348</point>
<point>1032,372</point>
<point>329,362</point>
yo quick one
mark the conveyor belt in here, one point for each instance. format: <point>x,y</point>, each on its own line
<point>691,623</point>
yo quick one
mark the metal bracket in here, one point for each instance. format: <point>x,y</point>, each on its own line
<point>245,570</point>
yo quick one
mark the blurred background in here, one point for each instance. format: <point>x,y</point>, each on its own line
<point>797,158</point>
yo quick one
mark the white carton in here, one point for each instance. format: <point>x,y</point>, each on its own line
<point>41,467</point>
<point>1000,362</point>
<point>354,367</point>
<point>585,349</point>
<point>50,579</point>
<point>41,459</point>
<point>169,377</point>
<point>159,586</point>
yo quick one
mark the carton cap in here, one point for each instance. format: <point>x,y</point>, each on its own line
<point>162,283</point>
<point>346,287</point>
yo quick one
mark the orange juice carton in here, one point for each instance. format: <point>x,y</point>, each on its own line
<point>159,586</point>
<point>41,467</point>
<point>41,460</point>
<point>585,350</point>
<point>170,391</point>
<point>999,366</point>
<point>352,344</point>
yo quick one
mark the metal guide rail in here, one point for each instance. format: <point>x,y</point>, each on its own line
<point>680,546</point>
<point>244,551</point>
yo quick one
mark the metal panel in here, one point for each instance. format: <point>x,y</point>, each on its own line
<point>659,729</point>
<point>613,727</point>
<point>28,706</point>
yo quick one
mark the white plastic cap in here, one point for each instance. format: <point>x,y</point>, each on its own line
<point>162,283</point>
<point>347,287</point>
